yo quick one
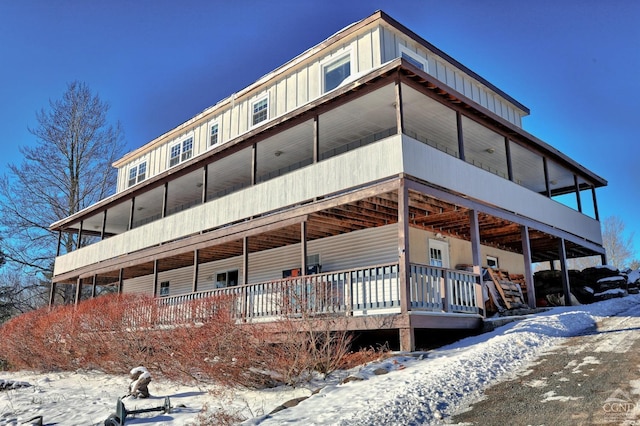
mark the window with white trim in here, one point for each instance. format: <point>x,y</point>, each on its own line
<point>137,173</point>
<point>335,72</point>
<point>413,58</point>
<point>214,134</point>
<point>259,111</point>
<point>180,152</point>
<point>164,288</point>
<point>492,262</point>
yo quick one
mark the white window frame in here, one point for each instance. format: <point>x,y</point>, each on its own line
<point>223,284</point>
<point>332,60</point>
<point>252,113</point>
<point>213,124</point>
<point>404,50</point>
<point>495,261</point>
<point>441,246</point>
<point>137,179</point>
<point>163,291</point>
<point>181,154</point>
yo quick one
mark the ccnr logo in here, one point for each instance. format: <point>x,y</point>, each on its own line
<point>618,402</point>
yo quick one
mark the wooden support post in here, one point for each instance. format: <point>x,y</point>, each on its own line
<point>547,184</point>
<point>104,225</point>
<point>399,109</point>
<point>566,285</point>
<point>120,280</point>
<point>131,210</point>
<point>196,266</point>
<point>595,203</point>
<point>94,284</point>
<point>476,260</point>
<point>303,247</point>
<point>577,185</point>
<point>528,270</point>
<point>52,294</point>
<point>254,164</point>
<point>404,269</point>
<point>155,278</point>
<point>165,197</point>
<point>80,235</point>
<point>407,339</point>
<point>507,148</point>
<point>460,136</point>
<point>316,139</point>
<point>59,243</point>
<point>245,260</point>
<point>205,183</point>
<point>78,290</point>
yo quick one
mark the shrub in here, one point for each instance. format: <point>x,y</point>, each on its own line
<point>198,341</point>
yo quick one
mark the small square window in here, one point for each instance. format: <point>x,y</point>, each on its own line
<point>260,111</point>
<point>492,262</point>
<point>213,135</point>
<point>334,73</point>
<point>164,288</point>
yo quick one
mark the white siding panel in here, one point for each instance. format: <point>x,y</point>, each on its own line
<point>138,285</point>
<point>180,280</point>
<point>303,86</point>
<point>313,78</point>
<point>292,92</point>
<point>278,102</point>
<point>376,47</point>
<point>450,77</point>
<point>355,249</point>
<point>441,71</point>
<point>365,60</point>
<point>388,44</point>
<point>459,82</point>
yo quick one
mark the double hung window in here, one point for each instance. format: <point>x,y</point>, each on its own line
<point>260,111</point>
<point>137,173</point>
<point>180,152</point>
<point>213,134</point>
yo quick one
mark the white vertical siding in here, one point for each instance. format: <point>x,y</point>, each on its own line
<point>301,84</point>
<point>367,247</point>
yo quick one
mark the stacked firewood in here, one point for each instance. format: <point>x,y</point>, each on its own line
<point>587,286</point>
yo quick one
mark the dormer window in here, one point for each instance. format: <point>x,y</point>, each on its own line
<point>180,152</point>
<point>137,173</point>
<point>413,58</point>
<point>335,72</point>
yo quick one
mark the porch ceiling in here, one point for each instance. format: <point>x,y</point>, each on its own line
<point>425,213</point>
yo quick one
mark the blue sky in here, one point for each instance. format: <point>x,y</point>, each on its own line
<point>573,63</point>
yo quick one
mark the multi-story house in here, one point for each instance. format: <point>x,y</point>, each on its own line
<point>371,176</point>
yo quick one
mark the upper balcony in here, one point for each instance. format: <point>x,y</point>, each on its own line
<point>395,121</point>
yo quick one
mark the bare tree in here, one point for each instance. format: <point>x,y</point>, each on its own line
<point>66,170</point>
<point>617,243</point>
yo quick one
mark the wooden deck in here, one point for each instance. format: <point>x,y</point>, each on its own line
<point>357,299</point>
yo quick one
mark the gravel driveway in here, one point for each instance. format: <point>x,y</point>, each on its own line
<point>592,379</point>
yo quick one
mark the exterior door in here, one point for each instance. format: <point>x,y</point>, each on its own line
<point>438,253</point>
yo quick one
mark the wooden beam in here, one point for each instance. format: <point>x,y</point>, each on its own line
<point>528,270</point>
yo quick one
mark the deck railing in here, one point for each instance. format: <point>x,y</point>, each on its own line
<point>361,291</point>
<point>440,289</point>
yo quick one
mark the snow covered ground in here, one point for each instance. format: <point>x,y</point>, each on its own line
<point>418,388</point>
